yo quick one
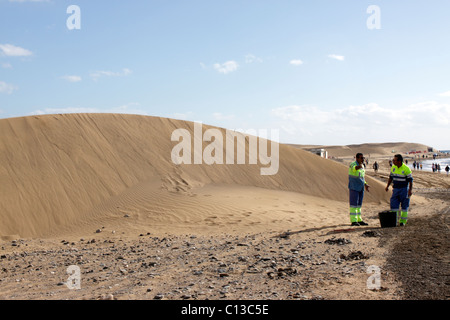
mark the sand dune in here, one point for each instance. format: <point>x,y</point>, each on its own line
<point>101,192</point>
<point>373,149</point>
<point>61,173</point>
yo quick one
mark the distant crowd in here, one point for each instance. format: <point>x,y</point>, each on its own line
<point>417,165</point>
<point>435,167</point>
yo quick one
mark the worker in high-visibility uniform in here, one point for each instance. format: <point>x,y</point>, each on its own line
<point>356,186</point>
<point>403,182</point>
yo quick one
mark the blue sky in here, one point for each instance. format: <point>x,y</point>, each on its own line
<point>313,70</point>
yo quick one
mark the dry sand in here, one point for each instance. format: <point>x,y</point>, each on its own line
<point>99,191</point>
<point>371,150</point>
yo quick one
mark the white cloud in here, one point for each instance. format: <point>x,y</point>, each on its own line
<point>426,122</point>
<point>182,116</point>
<point>72,78</point>
<point>429,113</point>
<point>129,108</point>
<point>6,65</point>
<point>303,114</point>
<point>297,62</point>
<point>7,88</point>
<point>10,50</point>
<point>445,94</point>
<point>126,72</point>
<point>98,74</point>
<point>337,57</point>
<point>220,116</point>
<point>64,110</point>
<point>226,67</point>
<point>250,58</point>
<point>189,115</point>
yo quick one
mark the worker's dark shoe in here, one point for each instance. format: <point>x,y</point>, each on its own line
<point>401,224</point>
<point>355,224</point>
<point>362,223</point>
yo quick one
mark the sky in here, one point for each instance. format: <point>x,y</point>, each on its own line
<point>325,72</point>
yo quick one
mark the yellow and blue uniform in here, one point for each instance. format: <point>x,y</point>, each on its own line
<point>356,182</point>
<point>401,177</point>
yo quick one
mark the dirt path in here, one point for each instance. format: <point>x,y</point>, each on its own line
<point>419,255</point>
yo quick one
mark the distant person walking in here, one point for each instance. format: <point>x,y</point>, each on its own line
<point>356,186</point>
<point>447,169</point>
<point>375,167</point>
<point>402,179</point>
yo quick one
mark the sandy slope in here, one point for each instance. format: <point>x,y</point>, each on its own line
<point>370,149</point>
<point>67,172</point>
<point>100,192</point>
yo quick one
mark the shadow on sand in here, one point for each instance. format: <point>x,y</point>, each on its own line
<point>334,231</point>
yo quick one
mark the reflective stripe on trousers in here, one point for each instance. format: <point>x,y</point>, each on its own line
<point>402,217</point>
<point>356,199</point>
<point>401,200</point>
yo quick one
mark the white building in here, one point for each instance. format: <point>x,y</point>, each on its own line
<point>320,152</point>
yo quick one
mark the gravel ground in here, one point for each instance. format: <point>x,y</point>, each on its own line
<point>419,255</point>
<point>328,263</point>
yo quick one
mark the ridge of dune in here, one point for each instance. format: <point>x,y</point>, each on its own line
<point>372,149</point>
<point>62,170</point>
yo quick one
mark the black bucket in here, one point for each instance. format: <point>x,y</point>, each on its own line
<point>388,218</point>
